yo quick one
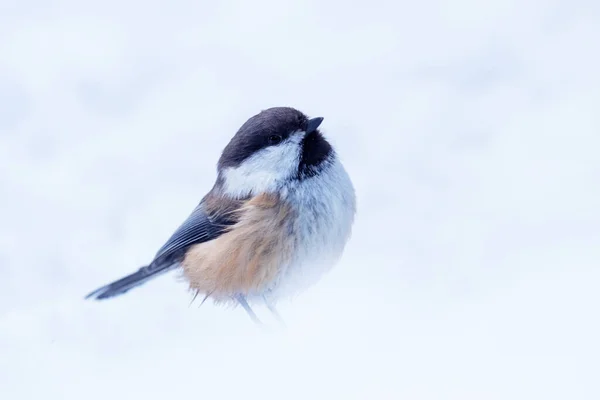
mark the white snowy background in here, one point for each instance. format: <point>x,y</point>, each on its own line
<point>470,128</point>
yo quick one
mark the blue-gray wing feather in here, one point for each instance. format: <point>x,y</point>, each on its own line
<point>197,228</point>
<point>200,226</point>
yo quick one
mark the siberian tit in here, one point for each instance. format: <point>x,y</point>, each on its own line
<point>277,218</point>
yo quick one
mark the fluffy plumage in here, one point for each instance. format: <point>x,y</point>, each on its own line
<point>278,217</point>
<point>248,256</point>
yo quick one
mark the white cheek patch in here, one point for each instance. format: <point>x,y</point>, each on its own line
<point>266,170</point>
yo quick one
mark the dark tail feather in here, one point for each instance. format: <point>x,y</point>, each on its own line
<point>128,282</point>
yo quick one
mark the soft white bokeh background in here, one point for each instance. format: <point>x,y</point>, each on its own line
<point>471,130</point>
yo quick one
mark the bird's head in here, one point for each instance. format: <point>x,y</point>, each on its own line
<point>272,148</point>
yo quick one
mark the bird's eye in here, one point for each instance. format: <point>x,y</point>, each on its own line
<point>274,139</point>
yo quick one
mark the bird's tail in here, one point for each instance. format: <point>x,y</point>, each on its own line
<point>130,281</point>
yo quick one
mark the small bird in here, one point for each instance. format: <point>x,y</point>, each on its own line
<point>277,218</point>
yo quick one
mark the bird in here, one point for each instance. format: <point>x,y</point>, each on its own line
<point>277,219</point>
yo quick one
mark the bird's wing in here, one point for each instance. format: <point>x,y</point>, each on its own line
<point>201,226</point>
<point>204,223</point>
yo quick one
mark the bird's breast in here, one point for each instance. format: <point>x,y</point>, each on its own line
<point>323,208</point>
<point>281,244</point>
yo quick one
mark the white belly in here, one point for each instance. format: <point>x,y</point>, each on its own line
<point>325,206</point>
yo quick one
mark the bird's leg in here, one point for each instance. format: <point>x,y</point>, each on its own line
<point>242,300</point>
<point>274,311</point>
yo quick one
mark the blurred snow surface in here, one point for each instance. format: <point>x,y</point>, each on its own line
<point>470,129</point>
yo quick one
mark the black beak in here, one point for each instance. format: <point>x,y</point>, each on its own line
<point>313,124</point>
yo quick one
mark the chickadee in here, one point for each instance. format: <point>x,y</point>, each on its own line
<point>277,218</point>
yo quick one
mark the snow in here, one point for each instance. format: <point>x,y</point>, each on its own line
<point>470,130</point>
